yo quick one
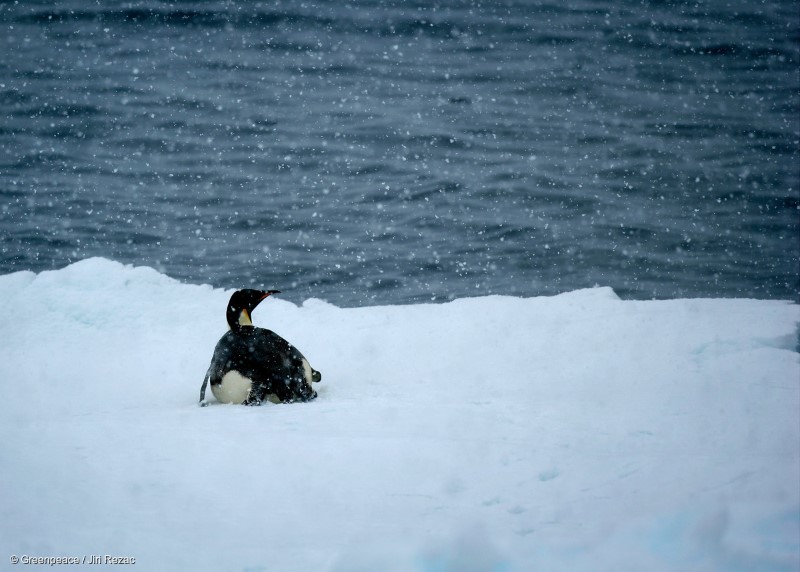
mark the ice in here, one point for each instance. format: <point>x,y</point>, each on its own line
<point>573,432</point>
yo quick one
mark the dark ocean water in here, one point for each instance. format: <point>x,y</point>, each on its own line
<point>382,152</point>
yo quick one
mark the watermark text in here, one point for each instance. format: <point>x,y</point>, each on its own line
<point>87,559</point>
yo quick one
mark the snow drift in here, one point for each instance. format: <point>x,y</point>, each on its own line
<point>575,432</point>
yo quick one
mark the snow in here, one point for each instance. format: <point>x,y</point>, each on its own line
<point>573,432</point>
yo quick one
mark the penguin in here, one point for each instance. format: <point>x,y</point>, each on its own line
<point>252,365</point>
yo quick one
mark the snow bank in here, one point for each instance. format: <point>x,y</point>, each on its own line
<point>575,432</point>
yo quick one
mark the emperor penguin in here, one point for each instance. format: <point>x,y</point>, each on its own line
<point>251,365</point>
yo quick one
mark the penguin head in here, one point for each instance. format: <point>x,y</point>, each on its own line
<point>242,304</point>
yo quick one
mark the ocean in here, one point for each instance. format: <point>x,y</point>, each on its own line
<point>384,152</point>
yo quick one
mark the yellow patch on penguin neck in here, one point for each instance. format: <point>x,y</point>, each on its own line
<point>244,318</point>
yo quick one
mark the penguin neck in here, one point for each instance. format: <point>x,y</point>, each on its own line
<point>241,322</point>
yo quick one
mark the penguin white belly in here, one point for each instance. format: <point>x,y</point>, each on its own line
<point>308,373</point>
<point>235,388</point>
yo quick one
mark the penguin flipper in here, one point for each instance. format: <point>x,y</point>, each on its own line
<point>203,402</point>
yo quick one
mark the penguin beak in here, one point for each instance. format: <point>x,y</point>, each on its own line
<point>269,293</point>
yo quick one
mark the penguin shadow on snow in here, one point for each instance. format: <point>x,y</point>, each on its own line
<point>253,365</point>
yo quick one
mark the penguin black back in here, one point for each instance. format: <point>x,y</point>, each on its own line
<point>251,365</point>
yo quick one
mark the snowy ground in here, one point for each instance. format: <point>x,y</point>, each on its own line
<point>575,432</point>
